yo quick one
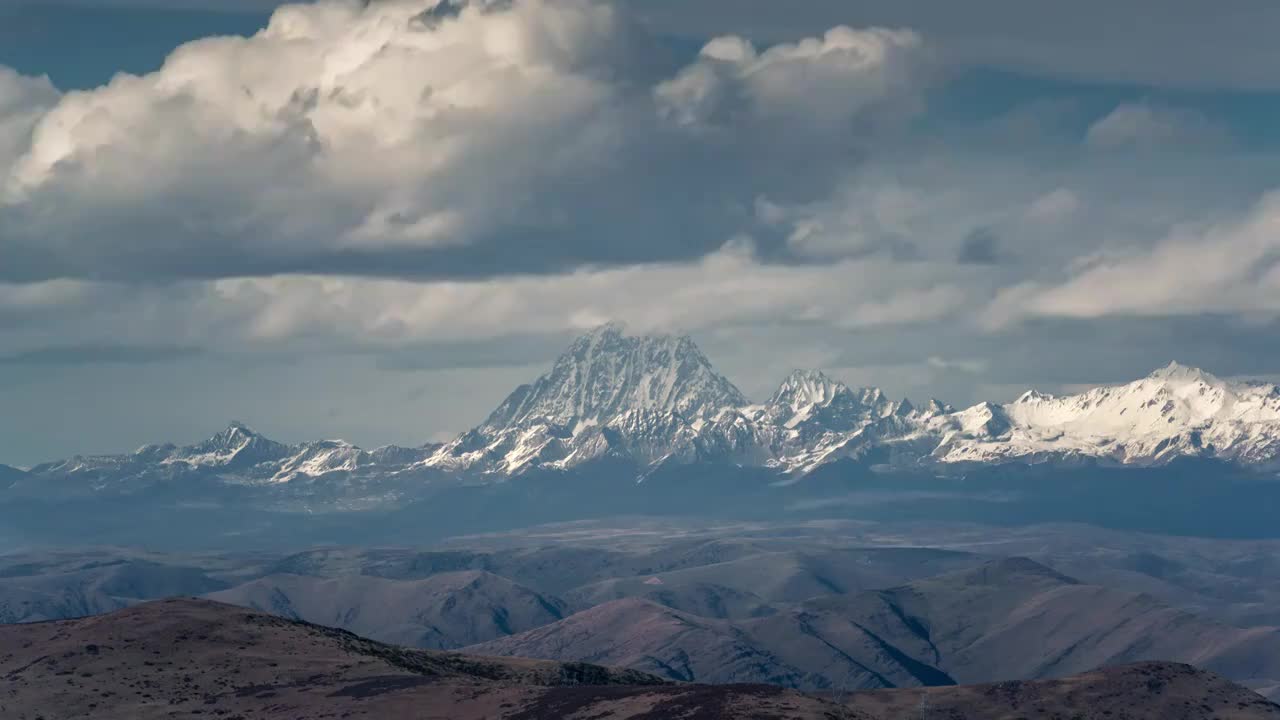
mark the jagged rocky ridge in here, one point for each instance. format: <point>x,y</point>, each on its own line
<point>652,400</point>
<point>657,400</point>
<point>238,457</point>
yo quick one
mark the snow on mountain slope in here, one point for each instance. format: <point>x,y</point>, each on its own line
<point>809,400</point>
<point>1176,411</point>
<point>235,447</point>
<point>813,419</point>
<point>605,374</point>
<point>235,456</point>
<point>647,398</point>
<point>318,458</point>
<point>656,400</point>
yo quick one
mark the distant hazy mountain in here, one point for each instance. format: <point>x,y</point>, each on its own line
<point>569,571</point>
<point>95,589</point>
<point>752,585</point>
<point>696,598</point>
<point>650,402</point>
<point>441,612</point>
<point>1009,619</point>
<point>326,473</point>
<point>1175,412</point>
<point>1015,618</point>
<point>658,400</point>
<point>681,646</point>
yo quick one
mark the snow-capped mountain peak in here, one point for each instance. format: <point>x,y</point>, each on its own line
<point>1176,411</point>
<point>1176,396</point>
<point>236,446</point>
<point>1178,373</point>
<point>807,387</point>
<point>609,393</point>
<point>606,373</point>
<point>234,437</point>
<point>655,401</point>
<point>811,396</point>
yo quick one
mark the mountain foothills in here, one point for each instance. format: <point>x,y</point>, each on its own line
<point>699,619</point>
<point>652,402</point>
<point>189,658</point>
<point>1011,619</point>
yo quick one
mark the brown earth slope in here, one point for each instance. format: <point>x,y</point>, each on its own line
<point>200,659</point>
<point>1143,691</point>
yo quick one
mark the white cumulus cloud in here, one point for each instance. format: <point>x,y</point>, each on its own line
<point>341,127</point>
<point>23,102</point>
<point>824,83</point>
<point>419,138</point>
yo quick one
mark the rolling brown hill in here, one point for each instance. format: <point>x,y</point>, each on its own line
<point>201,659</point>
<point>1140,691</point>
<point>197,658</point>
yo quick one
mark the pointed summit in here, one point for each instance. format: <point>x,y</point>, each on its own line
<point>613,328</point>
<point>808,387</point>
<point>935,406</point>
<point>237,445</point>
<point>236,435</point>
<point>905,408</point>
<point>1176,372</point>
<point>1032,396</point>
<point>811,397</point>
<point>606,373</point>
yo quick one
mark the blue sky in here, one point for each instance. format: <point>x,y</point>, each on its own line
<point>81,47</point>
<point>321,238</point>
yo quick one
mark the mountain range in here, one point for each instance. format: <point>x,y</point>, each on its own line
<point>656,401</point>
<point>971,625</point>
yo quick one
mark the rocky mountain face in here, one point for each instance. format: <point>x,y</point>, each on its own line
<point>650,401</point>
<point>645,398</point>
<point>657,400</point>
